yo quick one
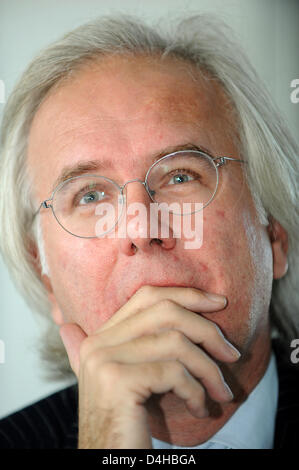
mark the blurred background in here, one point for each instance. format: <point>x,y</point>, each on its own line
<point>268,30</point>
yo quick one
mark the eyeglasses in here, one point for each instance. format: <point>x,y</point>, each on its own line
<point>185,177</point>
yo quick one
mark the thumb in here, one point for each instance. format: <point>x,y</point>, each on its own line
<point>72,336</point>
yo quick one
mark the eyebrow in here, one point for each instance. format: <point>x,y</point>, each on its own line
<point>82,167</point>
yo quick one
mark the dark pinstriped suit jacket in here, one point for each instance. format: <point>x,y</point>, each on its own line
<point>51,423</point>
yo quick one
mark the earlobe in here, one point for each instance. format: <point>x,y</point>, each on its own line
<point>279,242</point>
<point>57,314</point>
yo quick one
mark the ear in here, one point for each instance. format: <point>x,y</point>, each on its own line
<point>279,242</point>
<point>55,309</point>
<point>56,312</point>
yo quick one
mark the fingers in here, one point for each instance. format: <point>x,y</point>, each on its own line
<point>167,315</point>
<point>190,298</point>
<point>168,345</point>
<point>165,298</point>
<point>156,327</point>
<point>137,382</point>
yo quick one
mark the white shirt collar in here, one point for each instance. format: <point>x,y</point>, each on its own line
<point>252,426</point>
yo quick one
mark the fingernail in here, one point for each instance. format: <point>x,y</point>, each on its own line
<point>232,349</point>
<point>229,393</point>
<point>220,299</point>
<point>228,346</point>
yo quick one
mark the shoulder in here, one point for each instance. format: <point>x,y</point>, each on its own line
<point>287,417</point>
<point>48,423</point>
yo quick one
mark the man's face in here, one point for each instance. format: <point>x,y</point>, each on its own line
<point>128,111</point>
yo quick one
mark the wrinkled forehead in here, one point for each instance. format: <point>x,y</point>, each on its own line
<point>128,88</point>
<point>128,102</point>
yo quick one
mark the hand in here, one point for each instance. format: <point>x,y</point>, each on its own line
<point>148,346</point>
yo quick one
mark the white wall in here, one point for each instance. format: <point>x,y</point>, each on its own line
<point>267,29</point>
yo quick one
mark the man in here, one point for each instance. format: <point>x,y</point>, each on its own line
<point>170,345</point>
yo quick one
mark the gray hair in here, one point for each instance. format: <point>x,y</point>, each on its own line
<point>264,141</point>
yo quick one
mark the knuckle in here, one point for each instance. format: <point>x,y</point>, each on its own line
<point>179,371</point>
<point>168,307</point>
<point>166,312</point>
<point>194,294</point>
<point>177,339</point>
<point>157,370</point>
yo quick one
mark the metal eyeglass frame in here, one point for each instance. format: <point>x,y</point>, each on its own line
<point>217,162</point>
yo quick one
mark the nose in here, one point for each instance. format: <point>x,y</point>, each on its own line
<point>141,227</point>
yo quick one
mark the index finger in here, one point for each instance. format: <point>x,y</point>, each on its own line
<point>191,298</point>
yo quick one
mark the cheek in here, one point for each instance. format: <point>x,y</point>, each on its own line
<point>238,254</point>
<point>226,246</point>
<point>262,268</point>
<point>79,272</point>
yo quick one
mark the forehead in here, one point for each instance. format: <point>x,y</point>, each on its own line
<point>122,87</point>
<point>126,102</point>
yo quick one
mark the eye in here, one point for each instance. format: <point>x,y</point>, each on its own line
<point>182,176</point>
<point>90,197</point>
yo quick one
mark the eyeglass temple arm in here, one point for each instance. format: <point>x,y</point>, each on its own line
<point>43,204</point>
<point>222,160</point>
